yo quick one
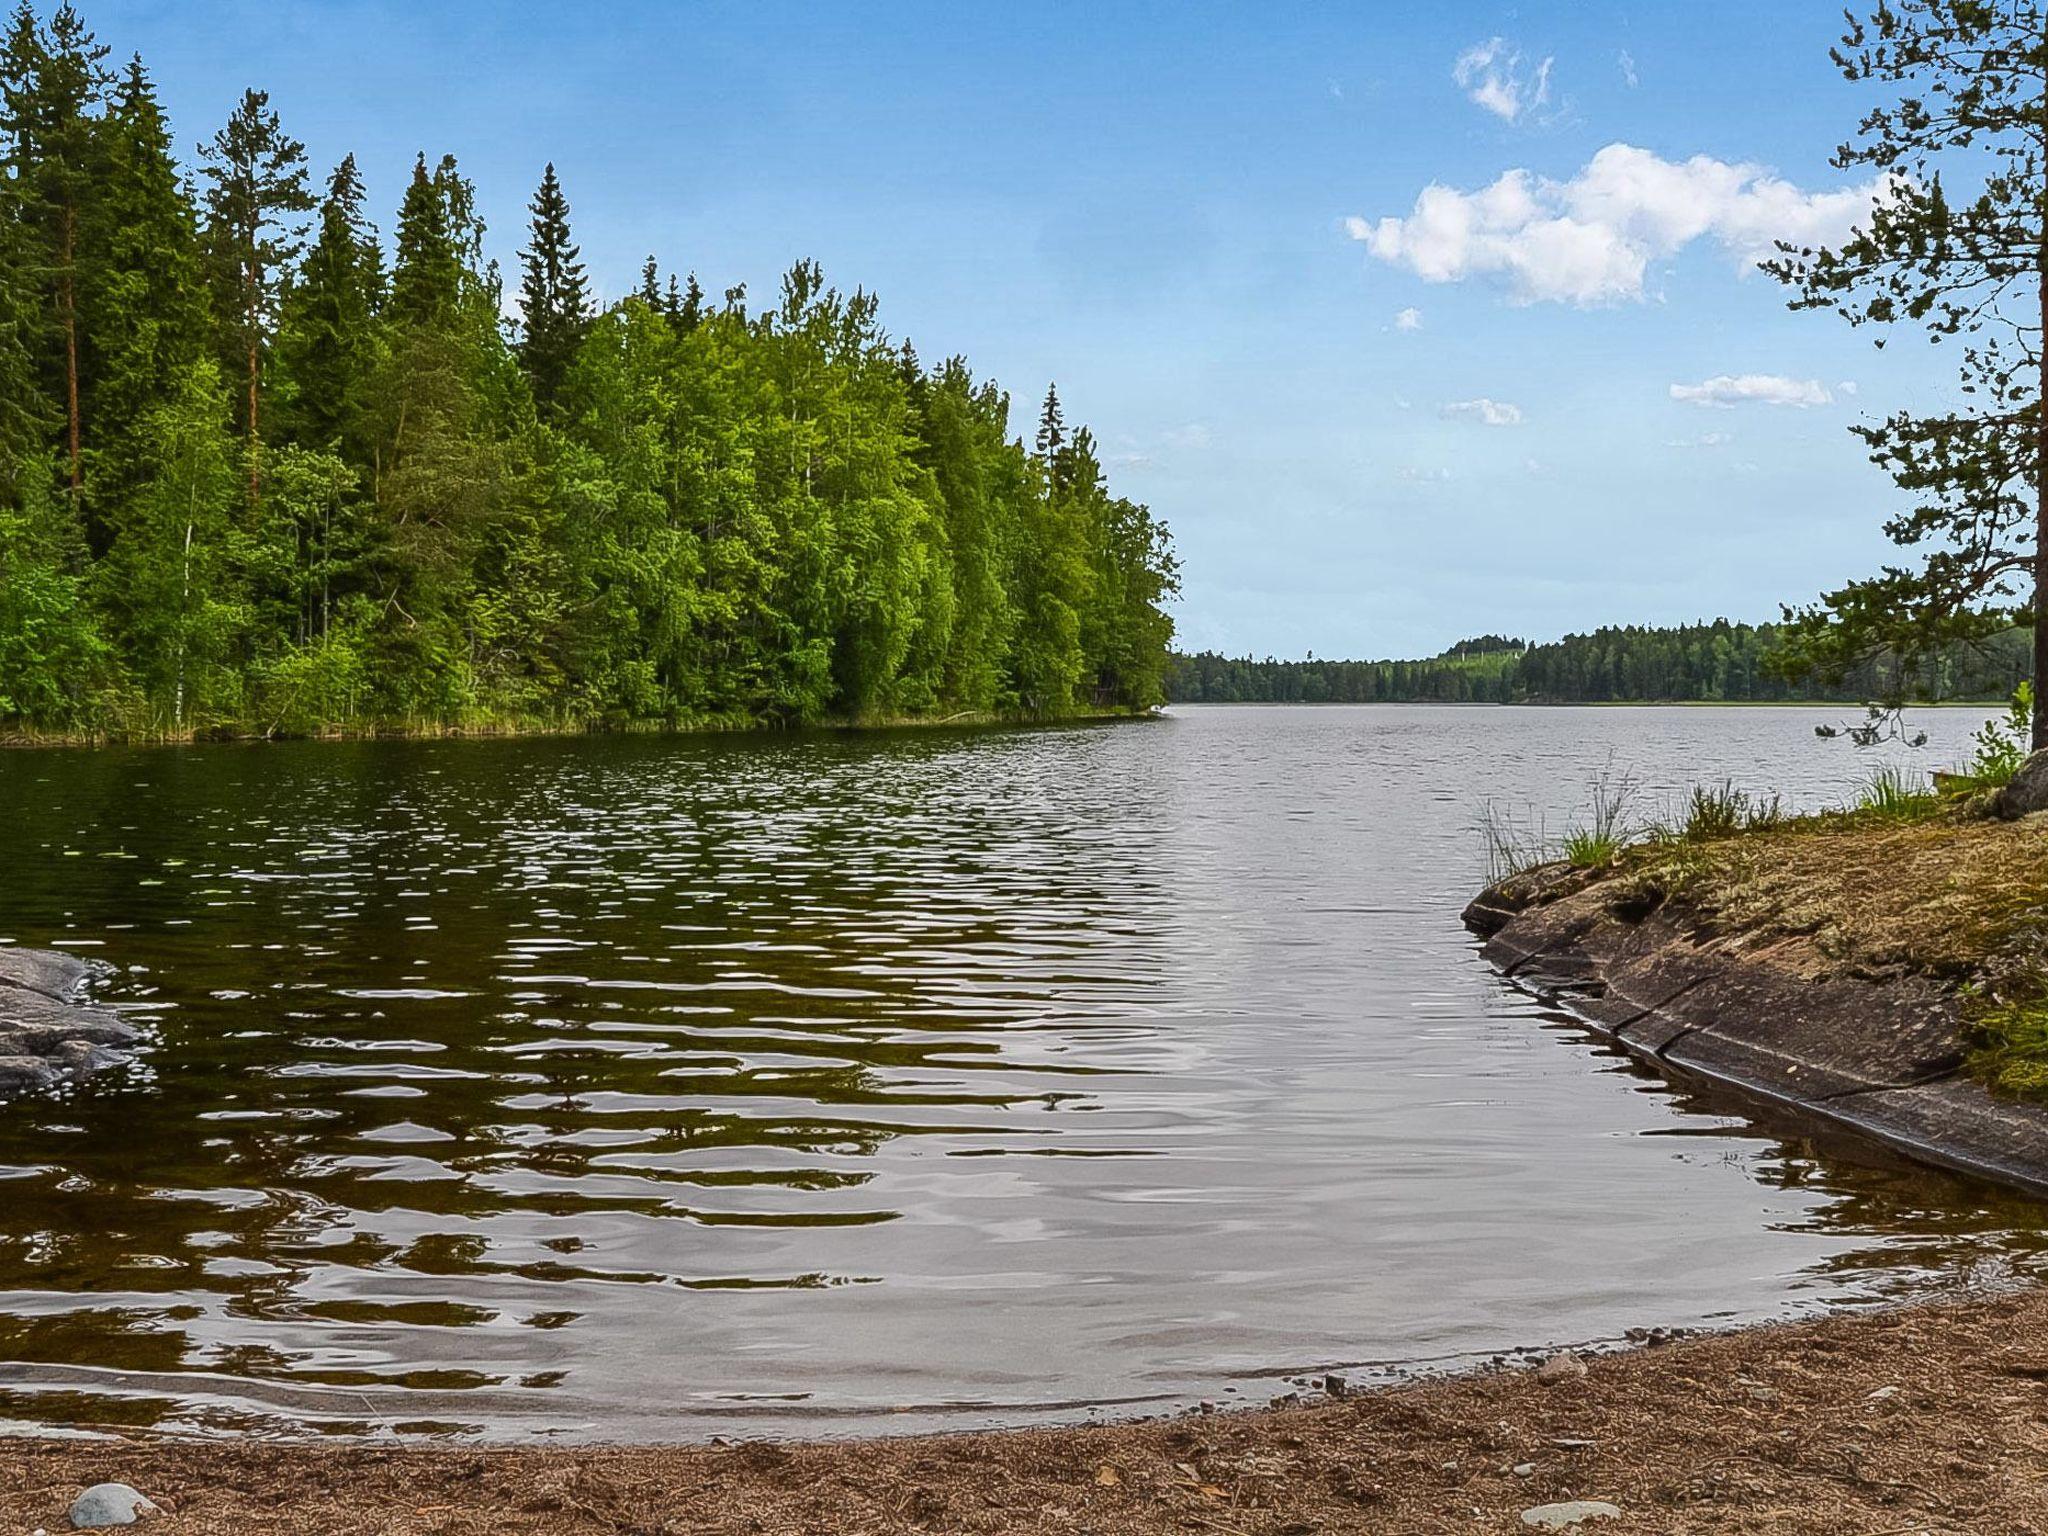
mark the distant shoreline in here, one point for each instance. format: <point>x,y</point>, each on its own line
<point>1562,704</point>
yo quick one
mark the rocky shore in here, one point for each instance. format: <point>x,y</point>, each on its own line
<point>49,1032</point>
<point>1767,1010</point>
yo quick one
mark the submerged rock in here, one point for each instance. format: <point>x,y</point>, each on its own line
<point>108,1504</point>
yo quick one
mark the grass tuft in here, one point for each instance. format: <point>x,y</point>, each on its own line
<point>1893,794</point>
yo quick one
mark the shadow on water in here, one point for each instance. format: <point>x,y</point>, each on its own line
<point>630,1087</point>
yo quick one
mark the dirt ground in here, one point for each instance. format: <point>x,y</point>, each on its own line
<point>1919,1420</point>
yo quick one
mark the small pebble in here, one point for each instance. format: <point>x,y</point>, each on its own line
<point>1525,1469</point>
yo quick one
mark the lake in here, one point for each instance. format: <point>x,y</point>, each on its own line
<point>641,1088</point>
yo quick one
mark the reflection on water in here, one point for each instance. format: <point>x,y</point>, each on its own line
<point>637,1087</point>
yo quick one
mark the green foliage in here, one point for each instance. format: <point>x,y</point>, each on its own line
<point>1971,99</point>
<point>1894,794</point>
<point>1722,811</point>
<point>2009,1041</point>
<point>332,499</point>
<point>2002,743</point>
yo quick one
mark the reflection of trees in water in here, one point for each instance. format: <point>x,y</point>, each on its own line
<point>790,959</point>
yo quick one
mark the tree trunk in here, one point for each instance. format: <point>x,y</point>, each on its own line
<point>2040,738</point>
<point>255,379</point>
<point>70,301</point>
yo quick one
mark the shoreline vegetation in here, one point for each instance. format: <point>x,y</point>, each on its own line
<point>265,472</point>
<point>518,730</point>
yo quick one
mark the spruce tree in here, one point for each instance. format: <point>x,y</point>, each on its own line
<point>649,292</point>
<point>145,320</point>
<point>554,297</point>
<point>51,81</point>
<point>327,341</point>
<point>426,281</point>
<point>1052,431</point>
<point>256,193</point>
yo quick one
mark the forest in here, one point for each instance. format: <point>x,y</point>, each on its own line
<point>1693,663</point>
<point>262,474</point>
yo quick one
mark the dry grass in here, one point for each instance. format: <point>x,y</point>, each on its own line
<point>1947,896</point>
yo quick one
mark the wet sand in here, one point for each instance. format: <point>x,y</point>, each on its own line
<point>1920,1419</point>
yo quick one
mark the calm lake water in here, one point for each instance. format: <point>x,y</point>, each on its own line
<point>646,1088</point>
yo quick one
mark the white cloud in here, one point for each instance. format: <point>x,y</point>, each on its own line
<point>1627,61</point>
<point>1424,476</point>
<point>1725,391</point>
<point>1491,413</point>
<point>1704,440</point>
<point>1194,435</point>
<point>1490,74</point>
<point>1408,320</point>
<point>1846,387</point>
<point>1590,240</point>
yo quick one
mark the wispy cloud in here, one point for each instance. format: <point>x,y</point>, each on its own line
<point>1627,61</point>
<point>1591,239</point>
<point>1490,413</point>
<point>1417,476</point>
<point>1726,391</point>
<point>1704,440</point>
<point>1491,75</point>
<point>1408,320</point>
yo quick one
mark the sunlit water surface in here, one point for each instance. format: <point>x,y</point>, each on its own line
<point>646,1088</point>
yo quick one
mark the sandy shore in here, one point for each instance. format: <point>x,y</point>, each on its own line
<point>1924,1419</point>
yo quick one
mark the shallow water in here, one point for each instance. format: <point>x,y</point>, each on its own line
<point>643,1088</point>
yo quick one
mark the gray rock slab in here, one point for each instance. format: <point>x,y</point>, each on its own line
<point>1800,1038</point>
<point>55,975</point>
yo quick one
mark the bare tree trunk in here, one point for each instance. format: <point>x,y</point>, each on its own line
<point>2040,738</point>
<point>255,379</point>
<point>72,435</point>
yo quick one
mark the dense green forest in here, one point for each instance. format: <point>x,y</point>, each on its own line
<point>1703,663</point>
<point>259,472</point>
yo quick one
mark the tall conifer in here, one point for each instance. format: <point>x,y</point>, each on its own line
<point>256,195</point>
<point>554,296</point>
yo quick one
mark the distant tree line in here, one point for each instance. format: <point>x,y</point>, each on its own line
<point>260,471</point>
<point>1692,663</point>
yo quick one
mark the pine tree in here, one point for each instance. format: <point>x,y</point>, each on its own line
<point>554,297</point>
<point>649,292</point>
<point>51,81</point>
<point>1973,83</point>
<point>256,191</point>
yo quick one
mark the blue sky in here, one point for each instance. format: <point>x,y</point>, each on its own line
<point>1176,211</point>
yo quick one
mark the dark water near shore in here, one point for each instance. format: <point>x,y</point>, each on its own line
<point>641,1088</point>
